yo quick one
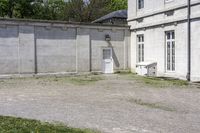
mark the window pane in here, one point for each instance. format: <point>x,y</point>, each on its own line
<point>140,4</point>
<point>168,35</point>
<point>173,35</point>
<point>142,52</point>
<point>139,54</point>
<point>170,52</point>
<point>106,54</point>
<point>173,66</point>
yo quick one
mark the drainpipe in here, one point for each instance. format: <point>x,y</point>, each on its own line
<point>35,53</point>
<point>189,41</point>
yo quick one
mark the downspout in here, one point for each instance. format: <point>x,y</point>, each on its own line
<point>189,41</point>
<point>35,54</point>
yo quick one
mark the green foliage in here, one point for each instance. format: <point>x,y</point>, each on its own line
<point>18,125</point>
<point>3,8</point>
<point>73,10</point>
<point>115,5</point>
<point>23,8</point>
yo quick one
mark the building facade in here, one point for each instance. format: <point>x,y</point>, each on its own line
<point>29,47</point>
<point>166,32</point>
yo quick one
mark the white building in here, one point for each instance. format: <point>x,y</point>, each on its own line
<point>160,33</point>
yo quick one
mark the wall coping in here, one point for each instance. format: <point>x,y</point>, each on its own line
<point>53,23</point>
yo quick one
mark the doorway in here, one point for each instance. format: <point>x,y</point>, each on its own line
<point>107,61</point>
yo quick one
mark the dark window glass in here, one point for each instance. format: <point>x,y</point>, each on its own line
<point>173,35</point>
<point>168,35</point>
<point>140,4</point>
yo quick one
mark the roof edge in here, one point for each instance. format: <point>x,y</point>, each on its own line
<point>61,22</point>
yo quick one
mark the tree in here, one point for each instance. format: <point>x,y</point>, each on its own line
<point>55,9</point>
<point>96,9</point>
<point>23,8</point>
<point>3,8</point>
<point>70,10</point>
<point>115,5</point>
<point>85,11</point>
<point>74,10</point>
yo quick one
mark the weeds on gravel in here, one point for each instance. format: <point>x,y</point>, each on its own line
<point>151,105</point>
<point>157,82</point>
<point>76,80</point>
<point>123,72</point>
<point>83,80</point>
<point>19,125</point>
<point>80,80</point>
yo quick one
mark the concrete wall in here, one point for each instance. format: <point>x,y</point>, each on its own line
<point>29,47</point>
<point>195,45</point>
<point>153,22</point>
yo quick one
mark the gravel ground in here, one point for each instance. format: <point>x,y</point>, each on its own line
<point>110,104</point>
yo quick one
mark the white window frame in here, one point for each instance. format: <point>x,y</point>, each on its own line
<point>140,48</point>
<point>170,50</point>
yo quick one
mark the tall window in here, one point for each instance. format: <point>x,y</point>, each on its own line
<point>140,49</point>
<point>140,4</point>
<point>170,51</point>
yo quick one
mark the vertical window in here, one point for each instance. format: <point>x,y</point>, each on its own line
<point>170,51</point>
<point>140,45</point>
<point>140,4</point>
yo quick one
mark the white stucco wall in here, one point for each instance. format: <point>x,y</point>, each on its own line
<point>195,44</point>
<point>154,25</point>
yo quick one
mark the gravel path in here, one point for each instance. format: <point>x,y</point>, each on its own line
<point>115,104</point>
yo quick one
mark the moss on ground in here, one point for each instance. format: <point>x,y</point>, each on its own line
<point>151,105</point>
<point>19,125</point>
<point>156,81</point>
<point>80,80</point>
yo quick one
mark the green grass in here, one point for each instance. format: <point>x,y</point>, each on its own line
<point>19,125</point>
<point>157,82</point>
<point>123,72</point>
<point>151,105</point>
<point>80,80</point>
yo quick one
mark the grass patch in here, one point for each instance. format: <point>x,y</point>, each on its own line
<point>19,125</point>
<point>158,82</point>
<point>123,72</point>
<point>151,105</point>
<point>83,80</point>
<point>80,80</point>
<point>73,79</point>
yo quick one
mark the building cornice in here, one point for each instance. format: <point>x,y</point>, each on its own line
<point>165,23</point>
<point>164,10</point>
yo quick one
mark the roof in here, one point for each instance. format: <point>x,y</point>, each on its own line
<point>115,14</point>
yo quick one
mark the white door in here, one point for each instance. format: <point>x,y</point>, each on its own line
<point>107,61</point>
